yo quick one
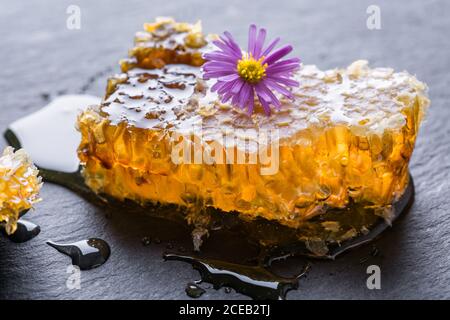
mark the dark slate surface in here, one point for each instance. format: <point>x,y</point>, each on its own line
<point>40,58</point>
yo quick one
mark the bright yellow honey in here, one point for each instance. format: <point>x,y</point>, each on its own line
<point>347,137</point>
<point>19,186</point>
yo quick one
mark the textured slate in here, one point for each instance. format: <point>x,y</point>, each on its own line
<point>41,58</point>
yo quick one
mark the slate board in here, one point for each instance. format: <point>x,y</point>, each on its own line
<point>43,59</point>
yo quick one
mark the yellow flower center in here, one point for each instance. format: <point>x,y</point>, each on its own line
<point>250,69</point>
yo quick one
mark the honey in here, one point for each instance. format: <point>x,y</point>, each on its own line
<point>19,186</point>
<point>346,138</point>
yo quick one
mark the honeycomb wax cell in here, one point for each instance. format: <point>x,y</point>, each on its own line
<point>19,186</point>
<point>345,138</point>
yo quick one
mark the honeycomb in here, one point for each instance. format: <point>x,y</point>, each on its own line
<point>347,136</point>
<point>19,186</point>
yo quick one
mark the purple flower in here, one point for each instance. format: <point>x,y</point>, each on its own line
<point>240,75</point>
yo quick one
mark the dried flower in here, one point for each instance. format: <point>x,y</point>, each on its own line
<point>259,71</point>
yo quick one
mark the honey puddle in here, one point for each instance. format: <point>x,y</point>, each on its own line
<point>86,254</point>
<point>49,135</point>
<point>25,231</point>
<point>51,139</point>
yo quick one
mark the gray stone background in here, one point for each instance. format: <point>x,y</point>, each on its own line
<point>40,59</point>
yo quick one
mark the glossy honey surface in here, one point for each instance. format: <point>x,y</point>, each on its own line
<point>19,186</point>
<point>347,136</point>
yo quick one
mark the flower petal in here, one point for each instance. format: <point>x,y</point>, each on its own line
<point>268,94</point>
<point>251,101</point>
<point>251,38</point>
<point>226,87</point>
<point>286,61</point>
<point>265,105</point>
<point>216,74</point>
<point>230,77</point>
<point>277,55</point>
<point>219,56</point>
<point>233,46</point>
<point>245,95</point>
<point>221,64</point>
<point>284,80</point>
<point>236,88</point>
<point>227,49</point>
<point>226,97</point>
<point>216,86</point>
<point>283,90</point>
<point>270,47</point>
<point>259,43</point>
<point>232,42</point>
<point>215,68</point>
<point>286,68</point>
